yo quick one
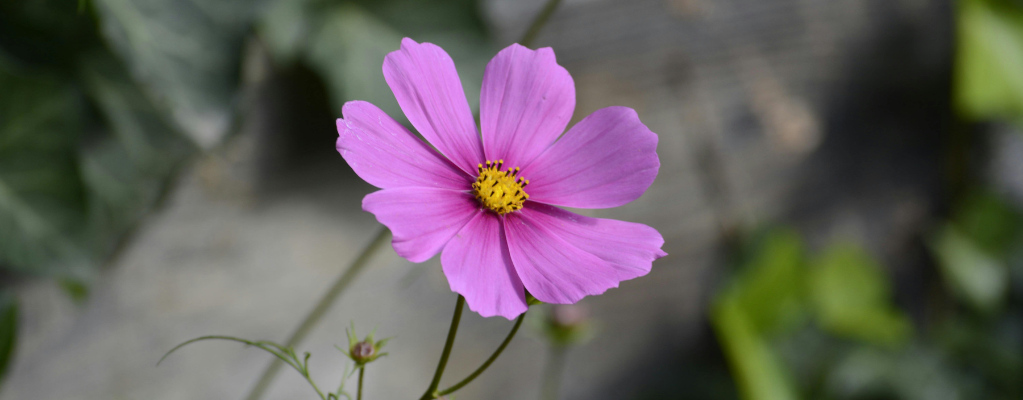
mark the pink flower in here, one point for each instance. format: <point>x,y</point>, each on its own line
<point>489,205</point>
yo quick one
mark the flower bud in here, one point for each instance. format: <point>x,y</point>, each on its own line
<point>568,315</point>
<point>362,352</point>
<point>567,324</point>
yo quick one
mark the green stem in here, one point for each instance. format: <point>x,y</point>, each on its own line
<point>322,397</point>
<point>319,310</point>
<point>486,364</point>
<point>431,392</point>
<point>552,375</point>
<point>539,22</point>
<point>358,395</point>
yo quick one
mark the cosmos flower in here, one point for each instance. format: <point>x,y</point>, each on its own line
<point>486,199</point>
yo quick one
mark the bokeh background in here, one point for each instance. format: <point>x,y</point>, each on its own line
<point>839,193</point>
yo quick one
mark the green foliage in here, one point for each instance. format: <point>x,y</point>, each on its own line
<point>766,297</point>
<point>42,197</point>
<point>770,300</point>
<point>346,42</point>
<point>989,58</point>
<point>770,290</point>
<point>758,372</point>
<point>991,223</point>
<point>971,273</point>
<point>851,297</point>
<point>187,54</point>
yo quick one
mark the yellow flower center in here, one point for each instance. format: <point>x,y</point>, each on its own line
<point>500,191</point>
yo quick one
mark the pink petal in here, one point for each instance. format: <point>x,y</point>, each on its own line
<point>385,154</point>
<point>425,82</point>
<point>478,266</point>
<point>552,269</point>
<point>421,219</point>
<point>525,104</point>
<point>606,160</point>
<point>629,247</point>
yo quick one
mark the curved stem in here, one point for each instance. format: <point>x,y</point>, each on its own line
<point>448,344</point>
<point>539,22</point>
<point>486,364</point>
<point>314,386</point>
<point>358,395</point>
<point>321,308</point>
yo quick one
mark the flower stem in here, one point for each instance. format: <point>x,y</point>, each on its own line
<point>539,22</point>
<point>317,388</point>
<point>358,395</point>
<point>431,392</point>
<point>321,308</point>
<point>552,373</point>
<point>486,364</point>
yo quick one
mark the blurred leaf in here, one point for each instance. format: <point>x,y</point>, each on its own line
<point>969,272</point>
<point>8,330</point>
<point>78,291</point>
<point>286,26</point>
<point>67,200</point>
<point>851,297</point>
<point>42,200</point>
<point>770,287</point>
<point>989,222</point>
<point>349,50</point>
<point>126,171</point>
<point>188,54</point>
<point>989,59</point>
<point>45,33</point>
<point>914,374</point>
<point>757,370</point>
<point>346,42</point>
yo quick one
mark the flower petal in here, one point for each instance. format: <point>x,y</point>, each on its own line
<point>552,269</point>
<point>526,102</point>
<point>421,219</point>
<point>606,160</point>
<point>478,266</point>
<point>425,83</point>
<point>385,154</point>
<point>630,247</point>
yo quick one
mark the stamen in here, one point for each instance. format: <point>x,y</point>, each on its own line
<point>500,191</point>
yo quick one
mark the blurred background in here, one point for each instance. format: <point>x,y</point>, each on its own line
<point>840,197</point>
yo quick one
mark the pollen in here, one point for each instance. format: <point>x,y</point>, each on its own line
<point>500,191</point>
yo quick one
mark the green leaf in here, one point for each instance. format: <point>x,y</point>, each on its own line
<point>187,53</point>
<point>989,58</point>
<point>8,330</point>
<point>285,354</point>
<point>970,272</point>
<point>348,51</point>
<point>851,297</point>
<point>42,200</point>
<point>989,222</point>
<point>758,372</point>
<point>770,288</point>
<point>126,171</point>
<point>346,43</point>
